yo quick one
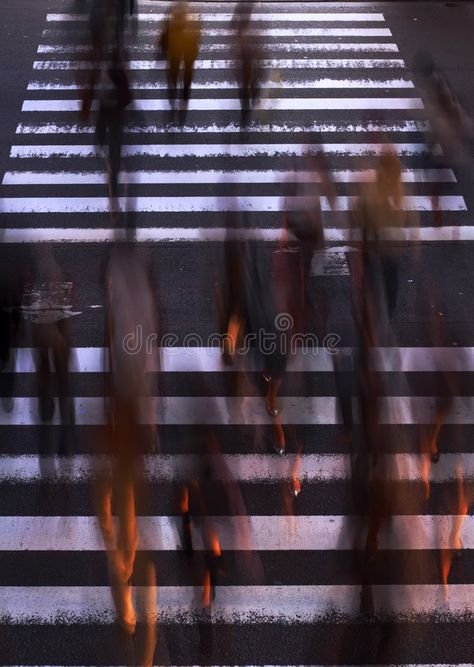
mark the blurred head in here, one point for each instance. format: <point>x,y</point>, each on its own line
<point>180,10</point>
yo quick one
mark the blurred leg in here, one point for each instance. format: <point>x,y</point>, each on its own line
<point>60,351</point>
<point>173,73</point>
<point>125,503</point>
<point>187,80</point>
<point>43,373</point>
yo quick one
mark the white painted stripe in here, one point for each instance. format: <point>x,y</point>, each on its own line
<point>316,84</point>
<point>233,104</point>
<point>251,468</point>
<point>300,32</point>
<point>204,150</point>
<point>274,127</point>
<point>262,5</point>
<point>215,177</point>
<point>187,204</point>
<point>227,32</point>
<point>148,33</point>
<point>267,5</point>
<point>61,605</point>
<point>286,47</point>
<point>269,533</point>
<point>208,359</point>
<point>189,410</point>
<point>378,665</point>
<point>296,17</point>
<point>278,63</point>
<point>449,233</point>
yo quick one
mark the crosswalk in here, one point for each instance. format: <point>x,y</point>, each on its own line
<point>210,151</point>
<point>331,69</point>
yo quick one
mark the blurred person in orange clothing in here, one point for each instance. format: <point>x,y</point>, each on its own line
<point>179,43</point>
<point>381,221</point>
<point>131,414</point>
<point>370,476</point>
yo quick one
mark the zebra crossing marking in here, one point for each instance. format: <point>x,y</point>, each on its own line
<point>213,64</point>
<point>236,533</point>
<point>244,467</point>
<point>300,17</point>
<point>274,127</point>
<point>189,204</point>
<point>216,149</point>
<point>285,84</point>
<point>173,358</point>
<point>445,233</point>
<point>234,604</point>
<point>249,410</point>
<point>215,176</point>
<point>305,47</point>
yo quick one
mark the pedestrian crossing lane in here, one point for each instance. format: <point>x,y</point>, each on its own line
<point>379,85</point>
<point>269,608</point>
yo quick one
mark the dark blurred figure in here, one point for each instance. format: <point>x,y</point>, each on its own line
<point>111,120</point>
<point>254,319</point>
<point>447,381</point>
<point>229,295</point>
<point>131,330</point>
<point>302,234</point>
<point>106,28</point>
<point>107,80</point>
<point>248,50</point>
<point>373,495</point>
<point>449,364</point>
<point>450,127</point>
<point>267,325</point>
<point>179,43</point>
<point>12,277</point>
<point>195,498</point>
<point>51,337</point>
<point>123,10</point>
<point>212,491</point>
<point>99,29</point>
<point>303,229</point>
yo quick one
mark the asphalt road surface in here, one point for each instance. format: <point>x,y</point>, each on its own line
<point>336,74</point>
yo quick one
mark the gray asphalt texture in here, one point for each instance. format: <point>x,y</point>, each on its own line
<point>185,276</point>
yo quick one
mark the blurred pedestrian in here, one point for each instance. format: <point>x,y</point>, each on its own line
<point>267,325</point>
<point>131,330</point>
<point>110,123</point>
<point>248,54</point>
<point>179,43</point>
<point>99,32</point>
<point>229,295</point>
<point>373,496</point>
<point>380,214</point>
<point>51,336</point>
<point>303,229</point>
<point>450,131</point>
